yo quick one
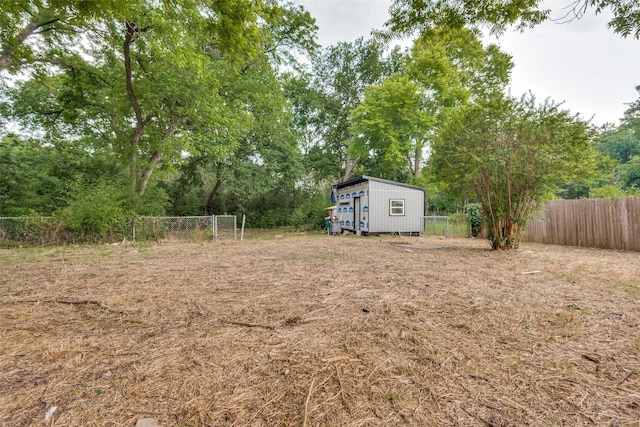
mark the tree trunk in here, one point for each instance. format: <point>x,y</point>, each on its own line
<point>504,234</point>
<point>417,162</point>
<point>141,122</point>
<point>144,179</point>
<point>349,166</point>
<point>133,172</point>
<point>155,158</point>
<point>212,194</point>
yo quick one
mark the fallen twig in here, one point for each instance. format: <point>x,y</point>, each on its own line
<point>625,378</point>
<point>591,358</point>
<point>340,359</point>
<point>306,403</point>
<point>473,377</point>
<point>73,302</point>
<point>524,273</point>
<point>344,397</point>
<point>253,325</point>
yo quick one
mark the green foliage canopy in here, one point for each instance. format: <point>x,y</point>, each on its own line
<point>322,103</point>
<point>37,179</point>
<point>622,144</point>
<point>508,154</point>
<point>38,31</point>
<point>410,17</point>
<point>390,127</point>
<point>394,124</point>
<point>158,81</point>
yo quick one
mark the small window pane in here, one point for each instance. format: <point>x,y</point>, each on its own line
<point>396,207</point>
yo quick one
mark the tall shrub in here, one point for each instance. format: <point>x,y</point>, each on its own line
<point>99,212</point>
<point>474,211</point>
<point>508,154</point>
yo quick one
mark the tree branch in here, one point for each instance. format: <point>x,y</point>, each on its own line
<point>73,67</point>
<point>128,41</point>
<point>7,54</point>
<point>155,158</point>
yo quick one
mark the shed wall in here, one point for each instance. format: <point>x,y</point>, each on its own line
<point>347,207</point>
<point>380,221</point>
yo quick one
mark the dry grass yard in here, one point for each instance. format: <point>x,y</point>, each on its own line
<point>316,331</point>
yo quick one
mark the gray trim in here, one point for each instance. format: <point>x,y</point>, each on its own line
<point>364,178</point>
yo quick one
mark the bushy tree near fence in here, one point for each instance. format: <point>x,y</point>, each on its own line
<point>97,212</point>
<point>509,153</point>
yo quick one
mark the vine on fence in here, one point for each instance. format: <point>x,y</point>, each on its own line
<point>474,211</point>
<point>38,231</point>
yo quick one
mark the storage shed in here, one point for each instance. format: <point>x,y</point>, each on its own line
<point>373,205</point>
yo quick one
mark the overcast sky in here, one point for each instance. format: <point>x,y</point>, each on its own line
<point>581,63</point>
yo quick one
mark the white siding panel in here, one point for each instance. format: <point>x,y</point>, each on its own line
<point>380,219</point>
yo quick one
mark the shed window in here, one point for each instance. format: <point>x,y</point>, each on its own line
<point>396,207</point>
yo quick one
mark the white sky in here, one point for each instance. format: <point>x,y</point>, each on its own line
<point>581,63</point>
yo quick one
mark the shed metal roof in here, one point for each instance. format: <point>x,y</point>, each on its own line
<point>364,178</point>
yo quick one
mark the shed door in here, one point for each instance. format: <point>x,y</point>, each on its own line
<point>356,213</point>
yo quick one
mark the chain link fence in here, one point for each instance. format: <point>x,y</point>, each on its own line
<point>171,227</point>
<point>39,231</point>
<point>28,231</point>
<point>456,225</point>
<point>225,227</point>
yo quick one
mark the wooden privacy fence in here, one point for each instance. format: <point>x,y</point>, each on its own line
<point>597,223</point>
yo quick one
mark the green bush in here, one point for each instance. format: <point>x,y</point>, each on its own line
<point>97,213</point>
<point>153,203</point>
<point>612,192</point>
<point>474,211</point>
<point>271,218</point>
<point>457,218</point>
<point>310,213</point>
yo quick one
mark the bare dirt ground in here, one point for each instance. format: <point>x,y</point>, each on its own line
<point>317,331</point>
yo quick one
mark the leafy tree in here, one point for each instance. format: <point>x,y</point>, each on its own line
<point>145,79</point>
<point>413,16</point>
<point>37,31</point>
<point>322,103</point>
<point>25,184</point>
<point>41,179</point>
<point>288,33</point>
<point>508,154</point>
<point>391,126</point>
<point>397,119</point>
<point>410,17</point>
<point>620,143</point>
<point>630,173</point>
<point>266,155</point>
<point>621,146</point>
<point>626,14</point>
<point>153,82</point>
<point>604,176</point>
